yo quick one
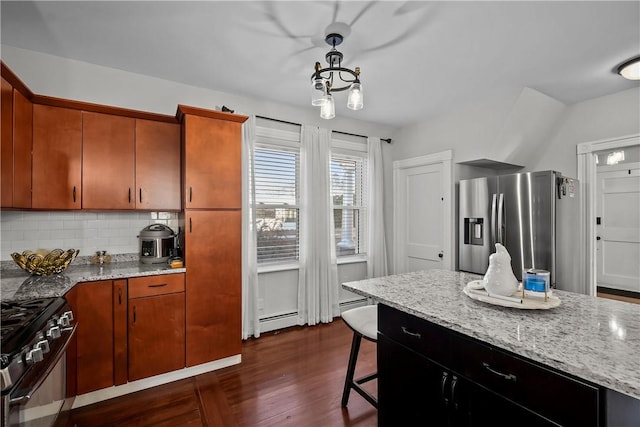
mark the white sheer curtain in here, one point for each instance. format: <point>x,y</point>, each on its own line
<point>377,248</point>
<point>250,319</point>
<point>318,275</point>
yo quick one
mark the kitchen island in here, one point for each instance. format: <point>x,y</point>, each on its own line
<point>591,341</point>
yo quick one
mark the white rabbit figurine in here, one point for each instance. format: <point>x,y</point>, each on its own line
<point>499,278</point>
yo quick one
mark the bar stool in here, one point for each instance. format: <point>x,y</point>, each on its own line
<point>364,323</point>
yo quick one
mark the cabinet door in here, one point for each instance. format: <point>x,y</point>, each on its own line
<point>486,408</point>
<point>156,335</point>
<point>108,161</point>
<point>57,157</point>
<point>6,155</point>
<point>120,331</point>
<point>411,389</point>
<point>213,261</point>
<point>157,166</point>
<point>93,311</point>
<point>22,147</point>
<point>213,177</point>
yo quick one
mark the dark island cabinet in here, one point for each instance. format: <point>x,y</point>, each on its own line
<point>432,376</point>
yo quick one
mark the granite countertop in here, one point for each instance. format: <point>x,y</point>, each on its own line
<point>592,338</point>
<point>20,285</point>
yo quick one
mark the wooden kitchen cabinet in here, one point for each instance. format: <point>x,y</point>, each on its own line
<point>108,162</point>
<point>93,311</point>
<point>57,158</point>
<point>212,160</point>
<point>6,141</point>
<point>120,299</point>
<point>428,374</point>
<point>156,325</point>
<point>157,166</point>
<point>17,137</point>
<point>213,289</point>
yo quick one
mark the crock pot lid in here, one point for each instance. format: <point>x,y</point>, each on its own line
<point>156,231</point>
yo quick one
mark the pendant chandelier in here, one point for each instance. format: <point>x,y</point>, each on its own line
<point>335,78</point>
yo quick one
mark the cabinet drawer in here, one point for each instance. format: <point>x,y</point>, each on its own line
<point>419,335</point>
<point>553,395</point>
<point>156,285</point>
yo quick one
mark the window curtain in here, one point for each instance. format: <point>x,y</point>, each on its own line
<point>377,248</point>
<point>250,318</point>
<point>318,275</point>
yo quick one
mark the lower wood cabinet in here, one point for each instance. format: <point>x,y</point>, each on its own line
<point>213,287</point>
<point>91,305</point>
<point>127,330</point>
<point>430,375</point>
<point>156,325</point>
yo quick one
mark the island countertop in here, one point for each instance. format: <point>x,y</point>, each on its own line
<point>592,338</point>
<point>20,285</point>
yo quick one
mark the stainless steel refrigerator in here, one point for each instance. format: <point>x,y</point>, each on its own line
<point>535,215</point>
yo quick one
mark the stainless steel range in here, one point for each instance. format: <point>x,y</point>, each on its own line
<point>34,335</point>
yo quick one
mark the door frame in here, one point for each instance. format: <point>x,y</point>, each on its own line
<point>445,158</point>
<point>587,172</point>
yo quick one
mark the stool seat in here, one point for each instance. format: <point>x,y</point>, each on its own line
<point>363,320</point>
<point>364,323</point>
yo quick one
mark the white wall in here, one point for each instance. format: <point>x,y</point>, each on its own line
<point>486,129</point>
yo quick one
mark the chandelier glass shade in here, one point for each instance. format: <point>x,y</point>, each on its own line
<point>335,78</point>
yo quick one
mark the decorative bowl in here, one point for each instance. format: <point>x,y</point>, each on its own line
<point>43,262</point>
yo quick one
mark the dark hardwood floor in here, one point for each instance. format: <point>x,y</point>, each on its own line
<point>292,377</point>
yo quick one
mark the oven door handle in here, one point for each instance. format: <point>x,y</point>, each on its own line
<point>24,391</point>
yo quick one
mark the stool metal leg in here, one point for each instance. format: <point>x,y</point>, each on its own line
<point>350,382</point>
<point>353,357</point>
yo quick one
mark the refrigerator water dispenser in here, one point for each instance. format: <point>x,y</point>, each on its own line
<point>473,231</point>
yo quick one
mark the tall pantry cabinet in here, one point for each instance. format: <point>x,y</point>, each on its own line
<point>212,178</point>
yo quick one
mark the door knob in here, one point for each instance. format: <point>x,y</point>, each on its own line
<point>440,255</point>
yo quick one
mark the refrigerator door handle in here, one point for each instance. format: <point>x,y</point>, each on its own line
<point>501,219</point>
<point>492,223</point>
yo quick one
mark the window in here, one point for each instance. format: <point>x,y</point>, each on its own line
<point>276,171</point>
<point>348,178</point>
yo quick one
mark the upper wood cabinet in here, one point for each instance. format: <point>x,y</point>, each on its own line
<point>17,128</point>
<point>6,156</point>
<point>212,161</point>
<point>57,158</point>
<point>108,162</point>
<point>22,149</point>
<point>157,165</point>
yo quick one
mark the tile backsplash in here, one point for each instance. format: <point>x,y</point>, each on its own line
<point>116,233</point>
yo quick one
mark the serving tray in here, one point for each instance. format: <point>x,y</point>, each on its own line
<point>475,290</point>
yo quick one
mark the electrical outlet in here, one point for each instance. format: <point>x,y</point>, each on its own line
<point>164,215</point>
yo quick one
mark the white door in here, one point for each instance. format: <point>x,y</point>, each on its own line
<point>423,214</point>
<point>618,227</point>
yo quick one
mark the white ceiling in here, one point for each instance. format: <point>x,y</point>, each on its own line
<point>418,59</point>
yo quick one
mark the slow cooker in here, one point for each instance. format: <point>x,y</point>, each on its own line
<point>157,242</point>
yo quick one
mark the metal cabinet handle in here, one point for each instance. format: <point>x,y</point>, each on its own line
<point>508,377</point>
<point>158,285</point>
<point>190,194</point>
<point>129,194</point>
<point>413,334</point>
<point>134,314</point>
<point>454,383</point>
<point>140,194</point>
<point>190,226</point>
<point>119,296</point>
<point>74,194</point>
<point>443,388</point>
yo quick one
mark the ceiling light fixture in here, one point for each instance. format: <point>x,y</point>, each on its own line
<point>335,78</point>
<point>630,69</point>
